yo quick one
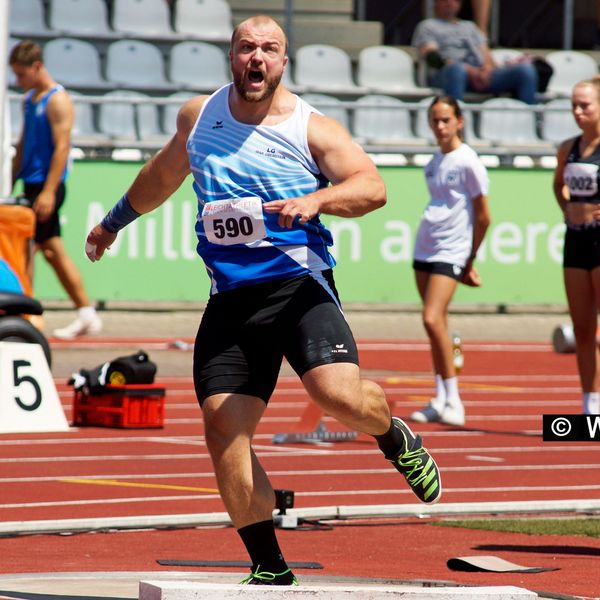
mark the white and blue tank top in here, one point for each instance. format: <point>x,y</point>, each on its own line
<point>237,168</point>
<point>38,143</point>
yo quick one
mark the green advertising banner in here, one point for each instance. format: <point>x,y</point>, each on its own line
<point>154,258</point>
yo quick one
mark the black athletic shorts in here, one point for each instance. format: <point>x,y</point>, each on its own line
<point>245,333</point>
<point>439,268</point>
<point>50,228</point>
<point>582,248</point>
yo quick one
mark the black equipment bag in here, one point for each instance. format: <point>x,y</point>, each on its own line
<point>544,71</point>
<point>125,370</point>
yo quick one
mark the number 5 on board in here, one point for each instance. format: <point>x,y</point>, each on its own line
<point>28,398</point>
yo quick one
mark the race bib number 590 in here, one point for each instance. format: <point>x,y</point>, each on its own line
<point>235,221</point>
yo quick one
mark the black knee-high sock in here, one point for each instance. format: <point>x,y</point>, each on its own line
<point>261,542</point>
<point>391,442</point>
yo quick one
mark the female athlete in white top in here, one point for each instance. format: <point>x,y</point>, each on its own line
<point>451,230</point>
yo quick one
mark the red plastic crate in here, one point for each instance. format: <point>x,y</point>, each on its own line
<point>121,406</point>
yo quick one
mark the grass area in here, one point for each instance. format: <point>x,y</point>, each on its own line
<point>588,527</point>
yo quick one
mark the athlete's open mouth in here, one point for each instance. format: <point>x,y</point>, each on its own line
<point>255,76</point>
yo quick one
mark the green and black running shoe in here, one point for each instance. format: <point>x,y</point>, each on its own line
<point>265,578</point>
<point>417,466</point>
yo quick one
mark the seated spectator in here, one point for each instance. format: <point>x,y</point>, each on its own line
<point>459,59</point>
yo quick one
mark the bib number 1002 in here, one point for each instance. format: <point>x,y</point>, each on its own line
<point>21,383</point>
<point>232,227</point>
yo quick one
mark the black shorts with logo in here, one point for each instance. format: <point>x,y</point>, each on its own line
<point>245,333</point>
<point>439,268</point>
<point>51,227</point>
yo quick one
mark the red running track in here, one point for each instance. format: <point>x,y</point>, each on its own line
<point>497,457</point>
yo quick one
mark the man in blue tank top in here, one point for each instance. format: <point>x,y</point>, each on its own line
<point>261,161</point>
<point>41,161</point>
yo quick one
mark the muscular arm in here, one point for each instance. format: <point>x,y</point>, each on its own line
<point>357,187</point>
<point>158,179</point>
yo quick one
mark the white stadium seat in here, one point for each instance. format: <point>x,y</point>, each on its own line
<point>388,70</point>
<point>169,115</point>
<point>79,17</point>
<point>198,65</point>
<point>558,125</point>
<point>324,68</point>
<point>84,131</point>
<point>136,64</point>
<point>570,67</point>
<point>142,18</point>
<point>328,105</point>
<point>16,118</point>
<point>74,63</point>
<point>385,120</point>
<point>116,119</point>
<point>27,18</point>
<point>208,20</point>
<point>501,121</point>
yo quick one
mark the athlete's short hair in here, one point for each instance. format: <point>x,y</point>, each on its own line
<point>25,53</point>
<point>258,20</point>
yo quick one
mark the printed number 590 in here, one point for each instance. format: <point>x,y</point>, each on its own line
<point>232,228</point>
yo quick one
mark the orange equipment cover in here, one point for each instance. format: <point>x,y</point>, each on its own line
<point>17,226</point>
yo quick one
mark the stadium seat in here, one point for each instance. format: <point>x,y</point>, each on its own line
<point>16,118</point>
<point>198,65</point>
<point>289,83</point>
<point>116,118</point>
<point>570,67</point>
<point>79,18</point>
<point>383,120</point>
<point>84,132</point>
<point>557,126</point>
<point>136,64</point>
<point>74,63</point>
<point>126,121</point>
<point>142,18</point>
<point>169,115</point>
<point>388,70</point>
<point>10,76</point>
<point>328,105</point>
<point>501,121</point>
<point>208,20</point>
<point>324,68</point>
<point>148,123</point>
<point>27,18</point>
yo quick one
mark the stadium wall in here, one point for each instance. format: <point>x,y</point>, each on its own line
<point>154,259</point>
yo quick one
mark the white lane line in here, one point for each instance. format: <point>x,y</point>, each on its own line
<point>297,473</point>
<point>192,440</point>
<point>478,457</point>
<point>293,452</point>
<point>379,492</point>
